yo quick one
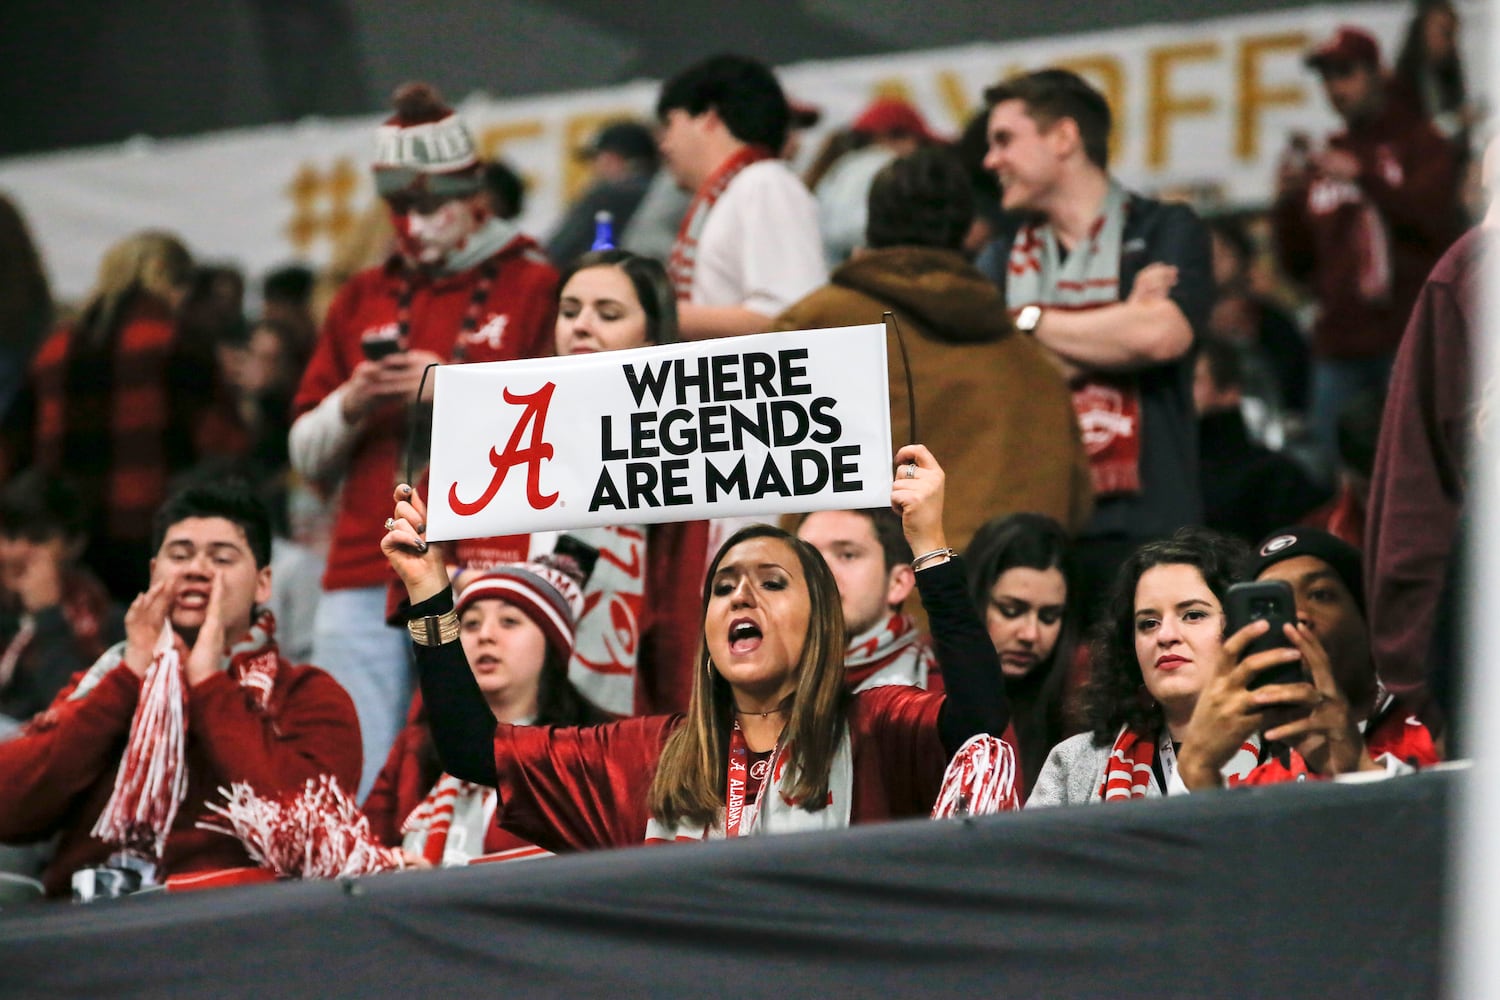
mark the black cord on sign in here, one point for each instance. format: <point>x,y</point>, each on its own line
<point>911,392</point>
<point>413,421</point>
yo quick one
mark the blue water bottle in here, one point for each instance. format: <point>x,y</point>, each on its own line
<point>604,231</point>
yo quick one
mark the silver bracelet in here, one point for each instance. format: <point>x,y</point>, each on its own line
<point>936,557</point>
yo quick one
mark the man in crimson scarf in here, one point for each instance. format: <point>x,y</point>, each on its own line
<point>749,244</point>
<point>122,764</point>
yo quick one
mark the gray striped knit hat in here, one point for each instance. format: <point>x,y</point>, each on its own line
<point>424,148</point>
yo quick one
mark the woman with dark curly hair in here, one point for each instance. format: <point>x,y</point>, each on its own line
<point>1160,645</point>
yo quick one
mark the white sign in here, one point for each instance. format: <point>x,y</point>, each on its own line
<point>763,425</point>
<point>1199,105</point>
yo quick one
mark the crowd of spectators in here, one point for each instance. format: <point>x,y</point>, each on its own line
<point>1124,410</point>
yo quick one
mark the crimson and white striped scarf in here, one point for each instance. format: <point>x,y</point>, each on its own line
<point>684,259</point>
<point>1129,773</point>
<point>892,651</point>
<point>1108,404</point>
<point>152,779</point>
<point>452,805</point>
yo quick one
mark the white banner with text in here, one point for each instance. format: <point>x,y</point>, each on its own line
<point>763,425</point>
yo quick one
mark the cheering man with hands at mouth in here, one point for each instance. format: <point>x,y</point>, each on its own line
<point>197,697</point>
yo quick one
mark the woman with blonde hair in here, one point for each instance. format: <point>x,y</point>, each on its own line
<point>771,742</point>
<point>123,401</point>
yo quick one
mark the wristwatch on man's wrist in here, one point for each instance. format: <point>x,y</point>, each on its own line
<point>1028,318</point>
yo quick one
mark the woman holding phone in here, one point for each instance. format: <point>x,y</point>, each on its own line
<point>1170,705</point>
<point>771,741</point>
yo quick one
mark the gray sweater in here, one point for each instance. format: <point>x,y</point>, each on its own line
<point>1075,770</point>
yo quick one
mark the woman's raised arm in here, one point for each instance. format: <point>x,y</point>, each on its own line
<point>463,727</point>
<point>972,678</point>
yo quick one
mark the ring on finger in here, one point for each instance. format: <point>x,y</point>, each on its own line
<point>390,524</point>
<point>910,471</point>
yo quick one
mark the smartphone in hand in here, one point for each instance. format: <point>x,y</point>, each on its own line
<point>376,348</point>
<point>1273,601</point>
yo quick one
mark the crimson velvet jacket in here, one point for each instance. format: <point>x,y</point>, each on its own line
<point>57,775</point>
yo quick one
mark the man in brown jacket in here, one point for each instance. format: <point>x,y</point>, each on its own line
<point>990,404</point>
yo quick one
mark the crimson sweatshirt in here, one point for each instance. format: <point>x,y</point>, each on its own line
<point>517,321</point>
<point>57,775</point>
<point>1411,176</point>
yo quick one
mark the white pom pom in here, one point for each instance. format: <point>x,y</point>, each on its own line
<point>319,833</point>
<point>980,779</point>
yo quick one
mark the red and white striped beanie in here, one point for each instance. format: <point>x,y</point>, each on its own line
<point>546,590</point>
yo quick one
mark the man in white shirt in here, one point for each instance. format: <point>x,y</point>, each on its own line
<point>749,244</point>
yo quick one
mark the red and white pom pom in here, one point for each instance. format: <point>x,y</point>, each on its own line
<point>318,833</point>
<point>980,779</point>
<point>152,780</point>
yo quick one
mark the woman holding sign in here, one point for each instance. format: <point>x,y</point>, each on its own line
<point>771,742</point>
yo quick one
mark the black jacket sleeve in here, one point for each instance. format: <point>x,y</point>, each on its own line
<point>463,727</point>
<point>975,700</point>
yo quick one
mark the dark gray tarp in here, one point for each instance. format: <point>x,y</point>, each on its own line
<point>1291,891</point>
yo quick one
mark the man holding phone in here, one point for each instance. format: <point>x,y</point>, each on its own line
<point>1331,718</point>
<point>462,286</point>
<point>1326,575</point>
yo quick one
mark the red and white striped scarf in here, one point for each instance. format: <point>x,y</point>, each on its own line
<point>1108,405</point>
<point>152,779</point>
<point>684,259</point>
<point>451,804</point>
<point>892,651</point>
<point>1129,772</point>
